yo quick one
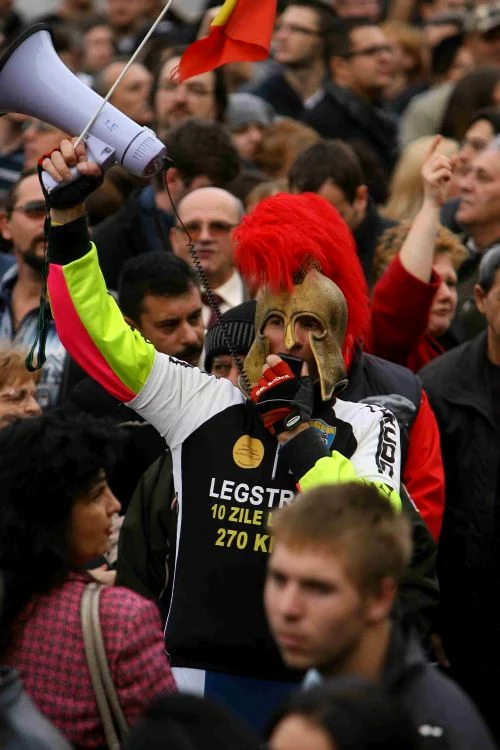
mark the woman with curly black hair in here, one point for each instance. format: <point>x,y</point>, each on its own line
<point>56,512</point>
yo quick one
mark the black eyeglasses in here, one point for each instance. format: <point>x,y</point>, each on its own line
<point>376,49</point>
<point>33,209</point>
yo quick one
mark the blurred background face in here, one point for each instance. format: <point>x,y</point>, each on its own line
<point>132,94</point>
<point>98,49</point>
<point>296,732</point>
<point>17,399</point>
<point>247,139</point>
<point>39,138</point>
<point>477,137</point>
<point>176,102</point>
<point>24,228</point>
<point>296,39</point>
<point>444,303</point>
<point>123,15</point>
<point>368,69</point>
<point>486,47</point>
<point>480,191</point>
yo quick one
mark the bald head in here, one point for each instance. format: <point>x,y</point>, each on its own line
<point>209,214</point>
<point>213,197</point>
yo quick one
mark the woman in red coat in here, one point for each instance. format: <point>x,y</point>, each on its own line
<point>56,512</point>
<point>415,299</point>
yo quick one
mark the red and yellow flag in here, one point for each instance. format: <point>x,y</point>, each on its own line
<point>241,30</point>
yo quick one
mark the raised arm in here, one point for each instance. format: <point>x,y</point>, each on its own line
<point>88,321</point>
<point>417,252</point>
<point>403,296</point>
<point>91,326</point>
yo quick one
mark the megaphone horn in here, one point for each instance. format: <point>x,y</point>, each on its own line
<point>34,81</point>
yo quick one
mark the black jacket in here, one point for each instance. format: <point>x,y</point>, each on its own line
<point>137,227</point>
<point>342,114</point>
<point>367,236</point>
<point>459,390</point>
<point>284,99</point>
<point>444,716</point>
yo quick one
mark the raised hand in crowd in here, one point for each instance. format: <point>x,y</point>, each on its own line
<point>417,252</point>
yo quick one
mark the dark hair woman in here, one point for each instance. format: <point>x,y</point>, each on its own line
<point>347,713</point>
<point>56,513</point>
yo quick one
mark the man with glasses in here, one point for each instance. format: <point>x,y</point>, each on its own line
<point>209,215</point>
<point>361,66</point>
<point>38,138</point>
<point>299,46</point>
<point>23,226</point>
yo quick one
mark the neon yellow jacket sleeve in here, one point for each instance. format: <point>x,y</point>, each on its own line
<point>337,469</point>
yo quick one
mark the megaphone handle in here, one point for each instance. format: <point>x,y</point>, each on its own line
<point>98,151</point>
<point>50,184</point>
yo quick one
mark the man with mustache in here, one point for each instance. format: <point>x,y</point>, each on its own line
<point>22,224</point>
<point>159,295</point>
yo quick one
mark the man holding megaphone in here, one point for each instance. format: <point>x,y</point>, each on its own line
<point>237,455</point>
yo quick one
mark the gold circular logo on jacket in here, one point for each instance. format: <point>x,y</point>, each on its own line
<point>248,452</point>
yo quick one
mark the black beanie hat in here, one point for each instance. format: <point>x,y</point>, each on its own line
<point>239,327</point>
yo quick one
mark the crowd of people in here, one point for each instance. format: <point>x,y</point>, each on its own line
<point>248,496</point>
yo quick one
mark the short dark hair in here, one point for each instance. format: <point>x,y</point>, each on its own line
<point>200,148</point>
<point>10,199</point>
<point>488,268</point>
<point>327,19</point>
<point>327,160</point>
<point>159,273</point>
<point>46,463</point>
<point>339,37</point>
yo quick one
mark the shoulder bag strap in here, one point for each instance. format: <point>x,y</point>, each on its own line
<point>91,596</point>
<point>106,677</point>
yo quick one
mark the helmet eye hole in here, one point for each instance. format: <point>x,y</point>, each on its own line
<point>311,324</point>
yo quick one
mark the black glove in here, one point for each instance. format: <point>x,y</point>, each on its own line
<point>283,400</point>
<point>71,194</point>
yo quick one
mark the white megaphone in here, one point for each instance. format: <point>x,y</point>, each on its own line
<point>34,81</point>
